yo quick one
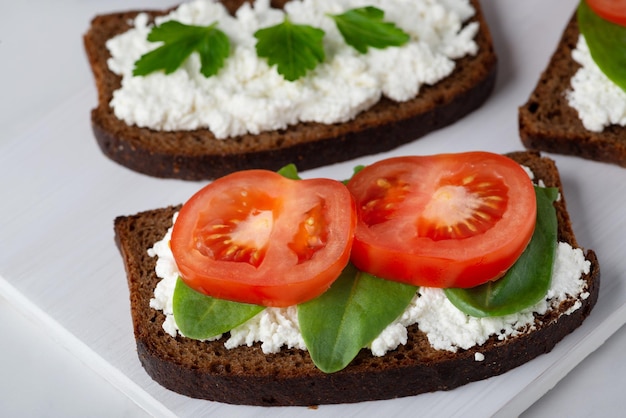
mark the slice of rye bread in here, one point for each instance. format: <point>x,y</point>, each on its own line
<point>197,154</point>
<point>245,375</point>
<point>548,123</point>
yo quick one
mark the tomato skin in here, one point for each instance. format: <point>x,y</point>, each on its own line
<point>407,238</point>
<point>257,237</point>
<point>612,10</point>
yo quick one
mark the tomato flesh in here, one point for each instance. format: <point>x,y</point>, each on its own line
<point>257,237</point>
<point>612,10</point>
<point>448,220</point>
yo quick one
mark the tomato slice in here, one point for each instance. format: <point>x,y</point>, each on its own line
<point>257,237</point>
<point>612,10</point>
<point>448,220</point>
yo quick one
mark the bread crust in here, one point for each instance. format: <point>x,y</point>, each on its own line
<point>548,123</point>
<point>197,154</point>
<point>245,375</point>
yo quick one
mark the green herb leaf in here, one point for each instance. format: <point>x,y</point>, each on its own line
<point>294,49</point>
<point>180,41</point>
<point>289,171</point>
<point>355,170</point>
<point>607,43</point>
<point>350,315</point>
<point>200,317</point>
<point>364,27</point>
<point>528,281</point>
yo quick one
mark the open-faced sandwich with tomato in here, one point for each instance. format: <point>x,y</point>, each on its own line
<point>579,104</point>
<point>211,87</point>
<point>420,273</point>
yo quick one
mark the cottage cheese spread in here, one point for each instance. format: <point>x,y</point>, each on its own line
<point>248,96</point>
<point>447,328</point>
<point>598,101</point>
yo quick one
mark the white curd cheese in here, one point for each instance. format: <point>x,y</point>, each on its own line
<point>598,101</point>
<point>273,327</point>
<point>248,96</point>
<point>447,328</point>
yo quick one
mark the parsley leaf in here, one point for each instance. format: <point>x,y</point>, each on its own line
<point>180,41</point>
<point>294,49</point>
<point>364,27</point>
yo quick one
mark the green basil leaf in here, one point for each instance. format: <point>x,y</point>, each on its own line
<point>350,315</point>
<point>355,170</point>
<point>607,43</point>
<point>294,49</point>
<point>364,27</point>
<point>289,171</point>
<point>179,41</point>
<point>200,317</point>
<point>528,281</point>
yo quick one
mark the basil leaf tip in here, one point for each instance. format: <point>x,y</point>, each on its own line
<point>289,171</point>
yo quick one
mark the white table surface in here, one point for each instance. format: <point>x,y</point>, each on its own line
<point>49,366</point>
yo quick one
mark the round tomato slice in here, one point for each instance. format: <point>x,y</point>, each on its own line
<point>257,237</point>
<point>448,220</point>
<point>612,10</point>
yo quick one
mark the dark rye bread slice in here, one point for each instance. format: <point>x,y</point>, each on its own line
<point>548,123</point>
<point>245,375</point>
<point>196,155</point>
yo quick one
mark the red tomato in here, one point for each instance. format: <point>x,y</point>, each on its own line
<point>257,237</point>
<point>449,220</point>
<point>612,10</point>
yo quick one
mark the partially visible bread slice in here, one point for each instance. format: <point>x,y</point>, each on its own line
<point>245,375</point>
<point>196,155</point>
<point>548,123</point>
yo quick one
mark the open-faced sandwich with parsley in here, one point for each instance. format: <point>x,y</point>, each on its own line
<point>419,273</point>
<point>212,87</point>
<point>579,104</point>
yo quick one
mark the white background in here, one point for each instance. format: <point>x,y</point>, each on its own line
<point>66,344</point>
